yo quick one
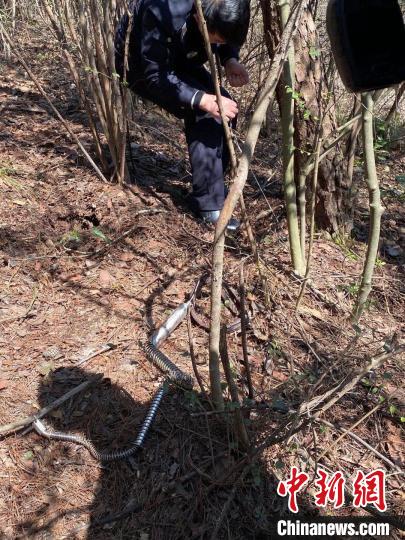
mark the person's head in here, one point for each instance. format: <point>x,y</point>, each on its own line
<point>227,20</point>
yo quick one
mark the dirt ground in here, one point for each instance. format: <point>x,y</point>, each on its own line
<point>67,289</point>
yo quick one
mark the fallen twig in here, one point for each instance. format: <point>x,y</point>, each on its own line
<point>104,348</point>
<point>346,431</point>
<point>23,422</point>
<point>396,521</point>
<point>16,318</point>
<point>360,441</point>
<point>334,395</point>
<point>34,297</point>
<point>342,389</point>
<point>243,332</point>
<point>131,509</point>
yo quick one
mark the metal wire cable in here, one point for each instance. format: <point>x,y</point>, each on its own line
<point>174,375</point>
<point>45,431</point>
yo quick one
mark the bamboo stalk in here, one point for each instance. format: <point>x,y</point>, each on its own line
<point>312,226</point>
<point>376,209</point>
<point>215,322</point>
<point>302,201</point>
<point>287,123</point>
<point>395,106</point>
<point>194,361</point>
<point>217,265</point>
<point>352,142</point>
<point>101,75</point>
<point>62,36</point>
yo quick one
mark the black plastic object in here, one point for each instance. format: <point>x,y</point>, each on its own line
<point>368,42</point>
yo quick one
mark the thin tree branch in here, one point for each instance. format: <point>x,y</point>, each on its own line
<point>193,360</point>
<point>243,333</point>
<point>240,427</point>
<point>266,97</point>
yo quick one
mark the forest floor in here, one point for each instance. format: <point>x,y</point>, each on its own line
<point>67,290</point>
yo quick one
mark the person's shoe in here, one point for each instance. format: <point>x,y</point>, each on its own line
<point>213,216</point>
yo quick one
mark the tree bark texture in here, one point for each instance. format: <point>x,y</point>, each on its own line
<point>333,203</point>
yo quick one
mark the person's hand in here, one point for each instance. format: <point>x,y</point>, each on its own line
<point>236,73</point>
<point>209,104</point>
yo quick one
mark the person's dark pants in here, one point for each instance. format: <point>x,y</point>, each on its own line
<point>209,155</point>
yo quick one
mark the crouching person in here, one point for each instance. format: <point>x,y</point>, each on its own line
<point>166,57</point>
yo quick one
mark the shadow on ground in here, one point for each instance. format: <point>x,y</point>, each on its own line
<point>176,487</point>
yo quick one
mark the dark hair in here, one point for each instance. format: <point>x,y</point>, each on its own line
<point>228,18</point>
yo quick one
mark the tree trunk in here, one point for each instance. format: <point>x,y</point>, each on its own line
<point>333,202</point>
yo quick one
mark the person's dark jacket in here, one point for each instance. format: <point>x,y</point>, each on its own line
<point>165,43</point>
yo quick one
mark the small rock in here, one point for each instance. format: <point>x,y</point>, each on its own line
<point>126,256</point>
<point>105,278</point>
<point>93,291</point>
<point>45,368</point>
<point>90,264</point>
<point>279,376</point>
<point>75,278</point>
<point>53,353</point>
<point>21,332</point>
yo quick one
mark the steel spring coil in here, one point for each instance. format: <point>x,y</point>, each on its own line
<point>43,430</point>
<point>174,374</point>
